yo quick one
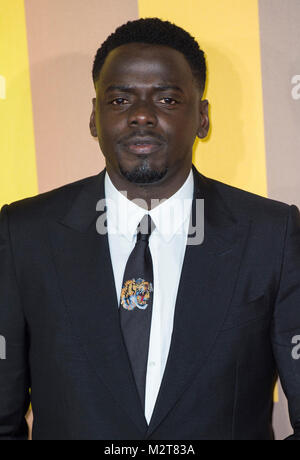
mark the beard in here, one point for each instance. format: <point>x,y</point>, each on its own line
<point>144,173</point>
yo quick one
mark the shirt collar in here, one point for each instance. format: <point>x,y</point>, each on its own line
<point>169,217</point>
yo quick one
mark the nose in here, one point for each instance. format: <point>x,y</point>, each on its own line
<point>142,114</point>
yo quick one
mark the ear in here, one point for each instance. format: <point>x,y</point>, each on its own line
<point>93,128</point>
<point>204,120</point>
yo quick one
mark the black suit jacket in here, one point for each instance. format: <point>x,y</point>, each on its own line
<point>237,310</point>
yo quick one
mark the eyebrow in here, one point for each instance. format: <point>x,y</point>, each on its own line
<point>132,88</point>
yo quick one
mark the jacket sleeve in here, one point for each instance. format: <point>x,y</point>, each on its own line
<point>286,320</point>
<point>14,370</point>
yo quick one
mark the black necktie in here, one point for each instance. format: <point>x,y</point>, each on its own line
<point>136,304</point>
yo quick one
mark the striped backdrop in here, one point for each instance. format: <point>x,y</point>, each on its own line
<point>252,47</point>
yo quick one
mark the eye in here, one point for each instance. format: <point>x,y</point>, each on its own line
<point>119,101</point>
<point>169,101</point>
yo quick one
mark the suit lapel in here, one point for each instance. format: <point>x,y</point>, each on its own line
<point>208,278</point>
<point>85,273</point>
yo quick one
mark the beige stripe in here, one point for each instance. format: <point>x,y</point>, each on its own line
<point>280,51</point>
<point>63,37</point>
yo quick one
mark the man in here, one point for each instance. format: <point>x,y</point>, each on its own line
<point>129,330</point>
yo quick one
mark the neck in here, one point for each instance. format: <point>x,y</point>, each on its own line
<point>148,196</point>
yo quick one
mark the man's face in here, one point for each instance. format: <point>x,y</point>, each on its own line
<point>147,113</point>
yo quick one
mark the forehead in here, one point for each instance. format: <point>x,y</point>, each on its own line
<point>145,63</point>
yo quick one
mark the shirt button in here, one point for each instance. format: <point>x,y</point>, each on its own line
<point>152,363</point>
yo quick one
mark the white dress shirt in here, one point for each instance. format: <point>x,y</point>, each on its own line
<point>167,244</point>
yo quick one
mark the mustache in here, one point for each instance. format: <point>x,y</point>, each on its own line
<point>140,134</point>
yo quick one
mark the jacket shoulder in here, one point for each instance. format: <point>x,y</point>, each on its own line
<point>243,203</point>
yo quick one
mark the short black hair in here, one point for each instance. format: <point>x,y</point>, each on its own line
<point>157,32</point>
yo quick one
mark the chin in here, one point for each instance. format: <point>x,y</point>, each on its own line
<point>143,174</point>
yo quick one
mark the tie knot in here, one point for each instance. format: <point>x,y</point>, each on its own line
<point>145,228</point>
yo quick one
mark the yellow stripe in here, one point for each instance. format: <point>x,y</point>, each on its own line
<point>228,31</point>
<point>276,394</point>
<point>18,176</point>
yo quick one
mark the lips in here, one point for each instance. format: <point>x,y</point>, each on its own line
<point>143,145</point>
<point>143,148</point>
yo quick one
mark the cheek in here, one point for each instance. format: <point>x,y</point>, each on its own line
<point>180,135</point>
<point>180,127</point>
<point>110,125</point>
<point>105,128</point>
